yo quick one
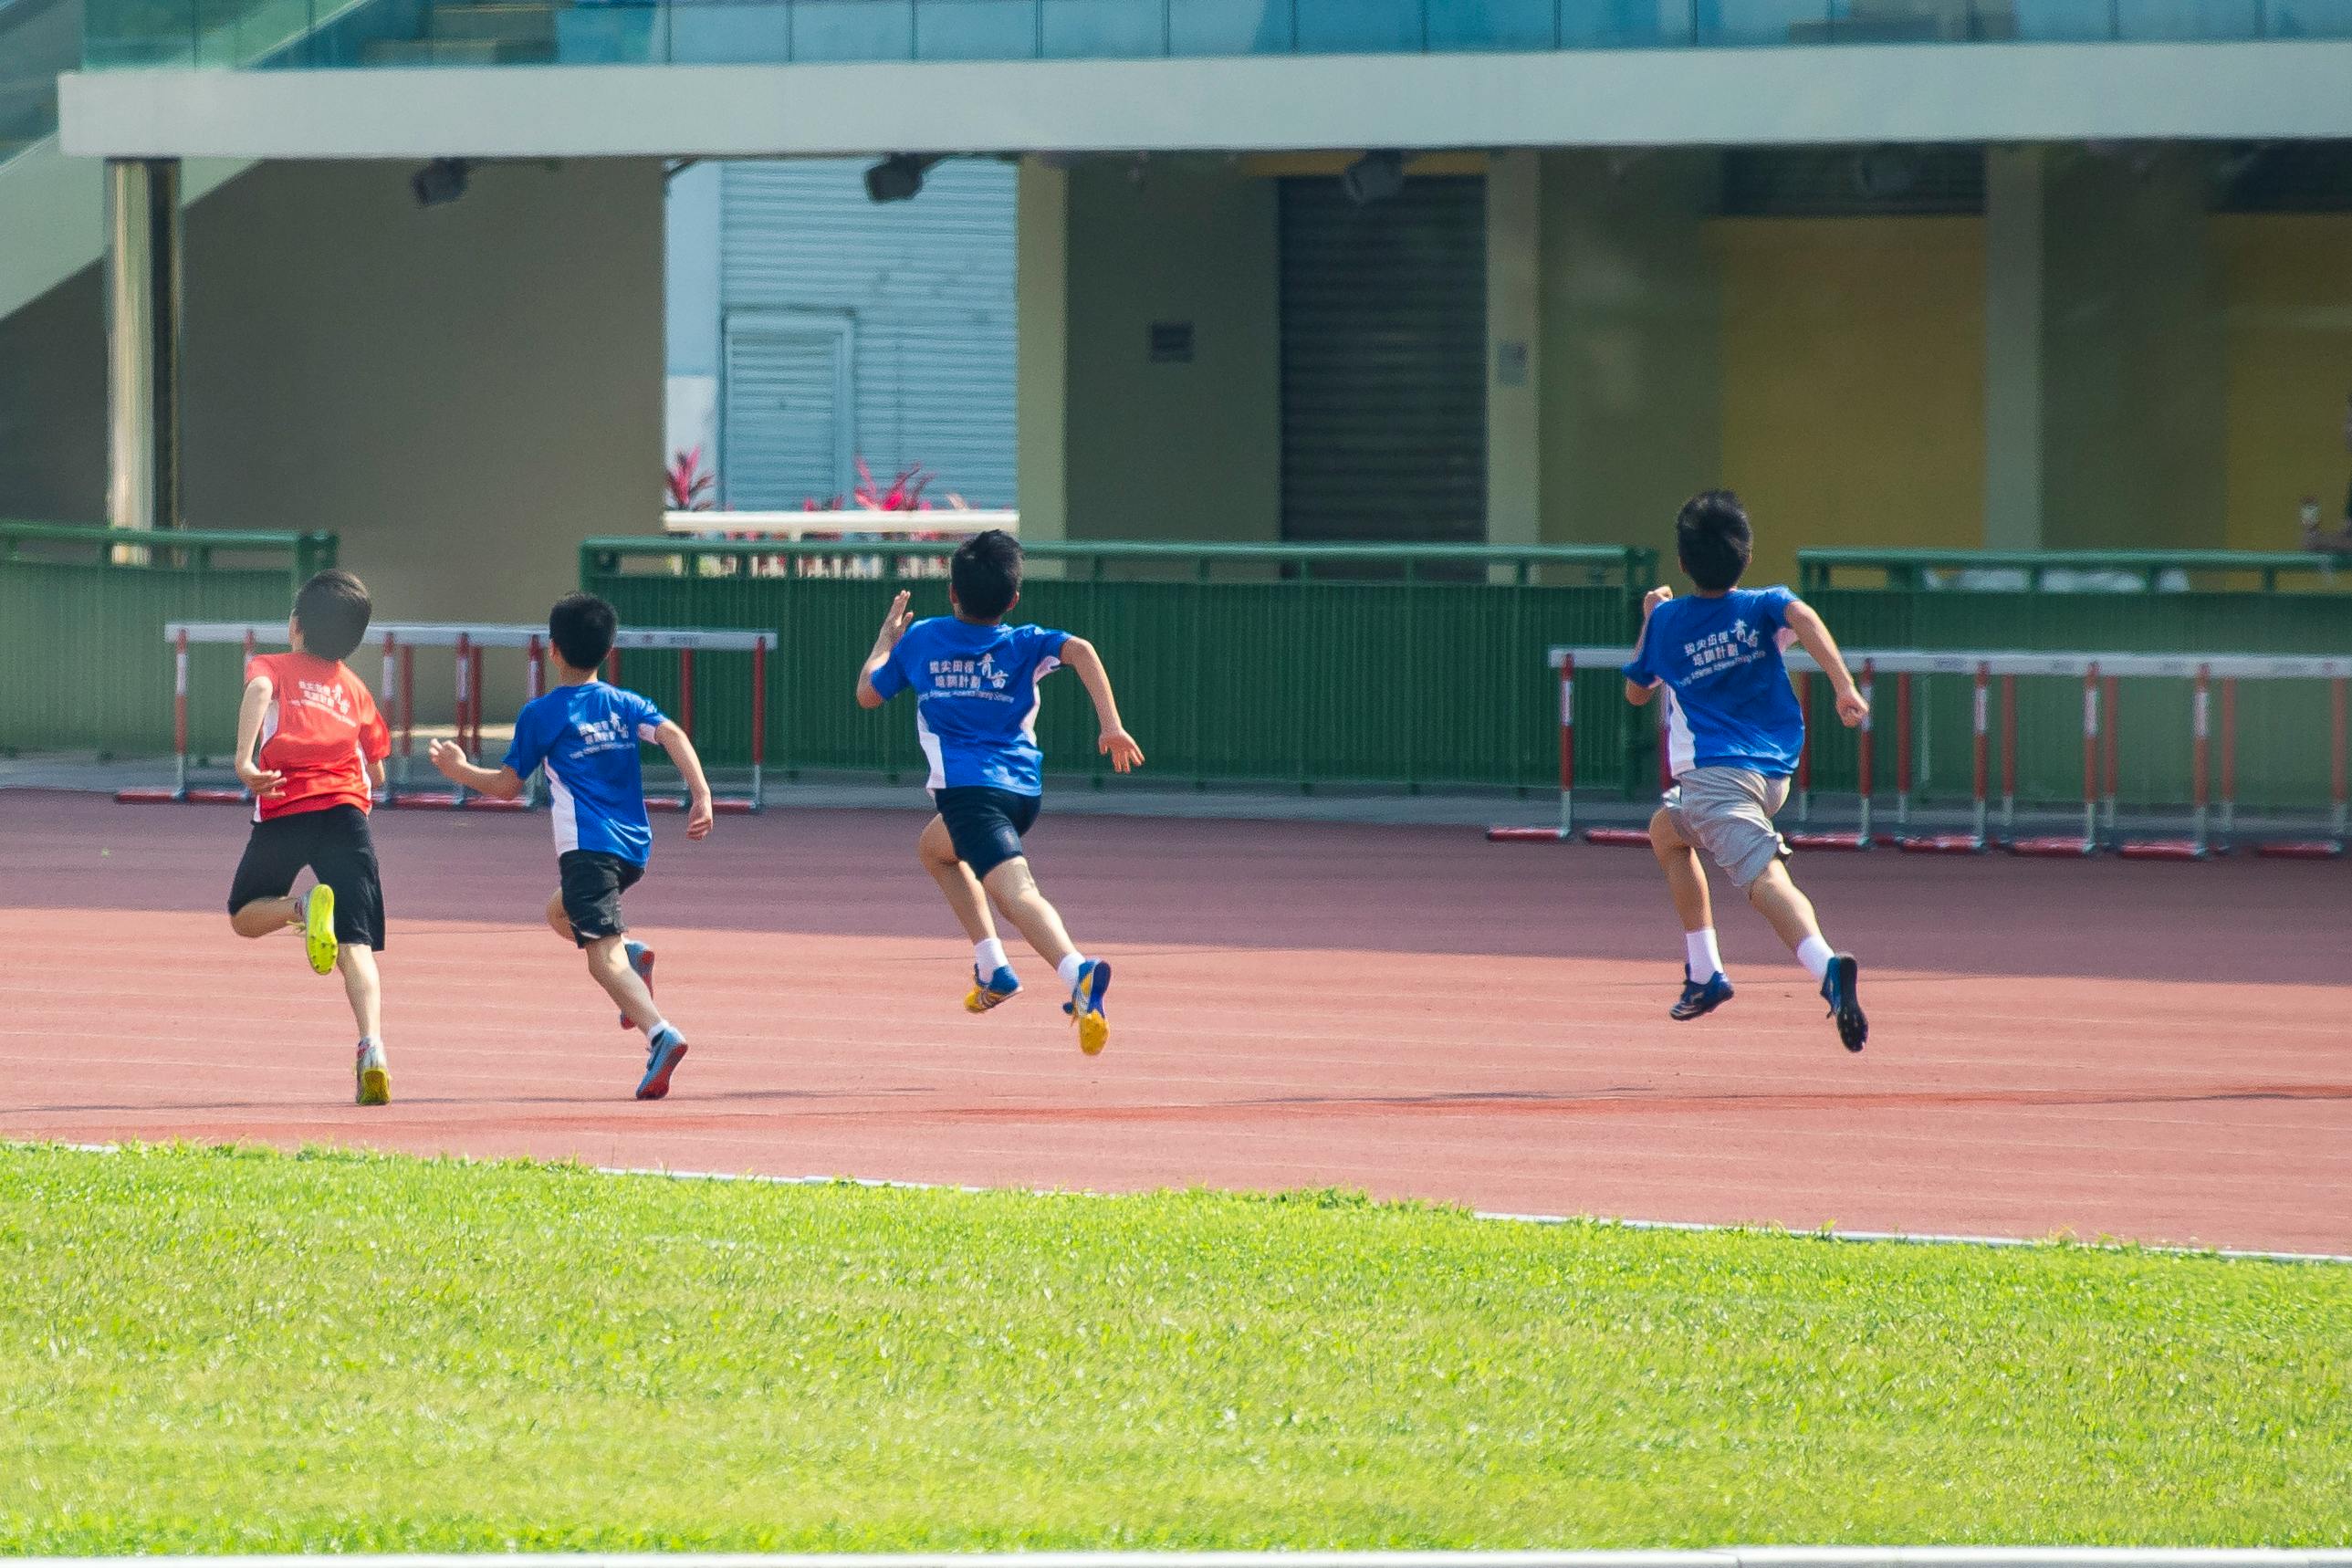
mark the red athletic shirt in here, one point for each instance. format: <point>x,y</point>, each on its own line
<point>320,731</point>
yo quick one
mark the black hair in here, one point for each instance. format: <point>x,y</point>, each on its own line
<point>985,572</point>
<point>582,627</point>
<point>1713,540</point>
<point>334,609</point>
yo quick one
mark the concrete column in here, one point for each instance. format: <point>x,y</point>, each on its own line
<point>2014,262</point>
<point>1042,307</point>
<point>1514,342</point>
<point>142,344</point>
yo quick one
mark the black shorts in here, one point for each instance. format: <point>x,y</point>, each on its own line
<point>594,882</point>
<point>333,842</point>
<point>985,825</point>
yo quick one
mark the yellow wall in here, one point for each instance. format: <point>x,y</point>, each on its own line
<point>1853,381</point>
<point>2288,282</point>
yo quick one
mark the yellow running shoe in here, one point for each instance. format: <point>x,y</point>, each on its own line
<point>319,928</point>
<point>375,1077</point>
<point>1085,1005</point>
<point>994,991</point>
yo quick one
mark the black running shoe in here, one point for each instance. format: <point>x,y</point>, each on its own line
<point>1700,997</point>
<point>1839,989</point>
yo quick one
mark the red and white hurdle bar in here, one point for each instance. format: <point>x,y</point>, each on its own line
<point>2099,673</point>
<point>397,697</point>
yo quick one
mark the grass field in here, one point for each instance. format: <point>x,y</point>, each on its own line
<point>228,1351</point>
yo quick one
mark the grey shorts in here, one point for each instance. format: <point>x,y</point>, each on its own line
<point>1728,812</point>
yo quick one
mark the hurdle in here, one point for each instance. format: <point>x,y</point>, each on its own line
<point>2213,824</point>
<point>1865,763</point>
<point>396,700</point>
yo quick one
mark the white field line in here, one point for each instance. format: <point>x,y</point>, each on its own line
<point>1723,1557</point>
<point>1308,1559</point>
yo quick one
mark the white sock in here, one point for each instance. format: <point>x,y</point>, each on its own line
<point>1815,955</point>
<point>1068,969</point>
<point>1699,952</point>
<point>367,1041</point>
<point>988,957</point>
<point>654,1031</point>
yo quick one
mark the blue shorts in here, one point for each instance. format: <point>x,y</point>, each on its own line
<point>985,825</point>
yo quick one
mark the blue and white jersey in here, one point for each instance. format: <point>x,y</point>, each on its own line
<point>1729,700</point>
<point>975,699</point>
<point>587,737</point>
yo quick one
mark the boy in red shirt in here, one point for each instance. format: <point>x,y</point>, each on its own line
<point>321,751</point>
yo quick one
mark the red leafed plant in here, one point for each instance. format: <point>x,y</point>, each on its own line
<point>687,486</point>
<point>904,494</point>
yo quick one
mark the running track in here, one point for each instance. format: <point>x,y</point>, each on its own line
<point>2158,1052</point>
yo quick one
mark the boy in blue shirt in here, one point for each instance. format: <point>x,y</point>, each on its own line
<point>1734,734</point>
<point>586,733</point>
<point>975,685</point>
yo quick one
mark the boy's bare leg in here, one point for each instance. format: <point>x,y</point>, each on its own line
<point>1703,986</point>
<point>263,916</point>
<point>1015,892</point>
<point>1686,880</point>
<point>557,921</point>
<point>1780,901</point>
<point>937,851</point>
<point>362,986</point>
<point>608,962</point>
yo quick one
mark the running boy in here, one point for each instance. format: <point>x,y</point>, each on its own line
<point>975,684</point>
<point>311,746</point>
<point>1735,733</point>
<point>586,734</point>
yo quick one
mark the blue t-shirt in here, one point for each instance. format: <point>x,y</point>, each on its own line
<point>1728,701</point>
<point>975,699</point>
<point>587,736</point>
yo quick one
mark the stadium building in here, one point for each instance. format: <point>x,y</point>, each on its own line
<point>1925,272</point>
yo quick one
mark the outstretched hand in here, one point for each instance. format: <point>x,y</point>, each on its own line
<point>1120,748</point>
<point>894,624</point>
<point>446,755</point>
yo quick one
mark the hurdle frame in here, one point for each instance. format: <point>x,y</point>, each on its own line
<point>397,643</point>
<point>2213,828</point>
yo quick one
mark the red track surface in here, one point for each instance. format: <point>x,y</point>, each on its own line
<point>2158,1052</point>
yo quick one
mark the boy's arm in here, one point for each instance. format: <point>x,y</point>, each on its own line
<point>499,783</point>
<point>1116,742</point>
<point>894,627</point>
<point>688,763</point>
<point>249,772</point>
<point>1638,692</point>
<point>1814,635</point>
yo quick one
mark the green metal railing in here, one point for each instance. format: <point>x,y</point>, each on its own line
<point>82,661</point>
<point>2157,570</point>
<point>1301,665</point>
<point>196,548</point>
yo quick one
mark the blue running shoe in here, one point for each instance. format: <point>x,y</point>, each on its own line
<point>993,992</point>
<point>1840,991</point>
<point>1085,1005</point>
<point>641,959</point>
<point>668,1050</point>
<point>1700,999</point>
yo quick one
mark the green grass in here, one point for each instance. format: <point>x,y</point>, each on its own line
<point>215,1350</point>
